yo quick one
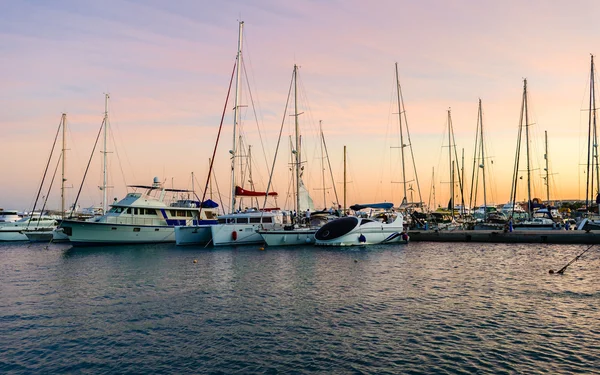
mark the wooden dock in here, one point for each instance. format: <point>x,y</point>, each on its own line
<point>517,236</point>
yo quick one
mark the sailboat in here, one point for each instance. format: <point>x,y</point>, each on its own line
<point>446,217</point>
<point>241,227</point>
<point>296,232</point>
<point>486,216</point>
<point>540,220</point>
<point>592,193</point>
<point>37,223</point>
<point>56,234</point>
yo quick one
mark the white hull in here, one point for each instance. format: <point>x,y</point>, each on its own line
<point>12,235</point>
<point>193,235</point>
<point>372,238</point>
<point>92,233</point>
<point>349,231</point>
<point>291,237</point>
<point>245,234</point>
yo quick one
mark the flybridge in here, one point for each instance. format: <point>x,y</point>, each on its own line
<point>159,188</point>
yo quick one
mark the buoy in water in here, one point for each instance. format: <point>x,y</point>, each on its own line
<point>195,260</point>
<point>261,248</point>
<point>551,272</point>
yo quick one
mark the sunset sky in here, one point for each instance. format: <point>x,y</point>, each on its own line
<point>167,67</point>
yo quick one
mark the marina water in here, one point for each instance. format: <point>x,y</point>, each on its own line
<point>418,308</point>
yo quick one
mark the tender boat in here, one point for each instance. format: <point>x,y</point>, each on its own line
<point>381,227</point>
<point>141,218</point>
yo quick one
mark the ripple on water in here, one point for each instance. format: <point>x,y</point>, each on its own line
<point>422,308</point>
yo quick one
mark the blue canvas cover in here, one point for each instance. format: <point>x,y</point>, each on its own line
<point>385,206</point>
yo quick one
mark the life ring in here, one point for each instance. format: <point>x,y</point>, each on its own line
<point>234,235</point>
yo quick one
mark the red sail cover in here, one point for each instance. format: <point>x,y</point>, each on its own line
<point>249,193</point>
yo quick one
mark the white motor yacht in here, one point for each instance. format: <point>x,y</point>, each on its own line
<point>141,218</point>
<point>8,216</point>
<point>383,227</point>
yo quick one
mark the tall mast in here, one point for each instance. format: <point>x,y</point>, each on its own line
<point>193,187</point>
<point>547,169</point>
<point>402,145</point>
<point>297,140</point>
<point>595,139</point>
<point>462,178</point>
<point>323,165</point>
<point>344,178</point>
<point>451,164</point>
<point>592,160</point>
<point>104,152</point>
<point>236,114</point>
<point>210,179</point>
<point>64,148</point>
<point>527,147</point>
<point>482,160</point>
<point>337,201</point>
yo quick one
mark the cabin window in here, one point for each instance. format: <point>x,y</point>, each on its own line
<point>209,214</point>
<point>136,229</point>
<point>242,220</point>
<point>156,229</point>
<point>267,219</point>
<point>255,220</point>
<point>222,221</point>
<point>113,228</point>
<point>125,210</point>
<point>180,213</point>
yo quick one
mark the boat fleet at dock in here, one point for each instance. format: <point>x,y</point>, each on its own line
<point>156,214</point>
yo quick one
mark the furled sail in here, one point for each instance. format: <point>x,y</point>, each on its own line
<point>239,192</point>
<point>306,201</point>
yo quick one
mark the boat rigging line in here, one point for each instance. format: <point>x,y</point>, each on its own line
<point>562,270</point>
<point>210,168</point>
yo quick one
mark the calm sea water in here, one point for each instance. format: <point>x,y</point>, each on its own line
<point>396,309</point>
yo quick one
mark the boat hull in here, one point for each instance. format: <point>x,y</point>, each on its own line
<point>86,233</point>
<point>193,235</point>
<point>352,231</point>
<point>12,235</point>
<point>245,234</point>
<point>289,237</point>
<point>56,235</point>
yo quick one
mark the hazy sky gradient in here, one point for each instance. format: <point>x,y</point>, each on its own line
<point>167,67</point>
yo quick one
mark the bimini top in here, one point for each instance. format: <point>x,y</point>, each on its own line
<point>385,206</point>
